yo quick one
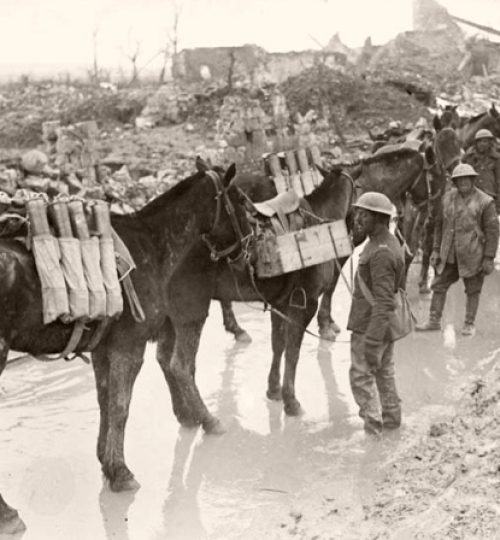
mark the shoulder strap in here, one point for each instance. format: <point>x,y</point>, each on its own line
<point>365,290</point>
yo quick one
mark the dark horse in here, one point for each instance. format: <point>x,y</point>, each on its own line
<point>295,295</point>
<point>467,128</point>
<point>203,208</point>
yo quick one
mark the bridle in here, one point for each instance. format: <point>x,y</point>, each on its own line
<point>224,202</point>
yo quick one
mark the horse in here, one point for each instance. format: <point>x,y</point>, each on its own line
<point>203,207</point>
<point>467,129</point>
<point>397,172</point>
<point>293,298</point>
<point>449,118</point>
<point>10,522</point>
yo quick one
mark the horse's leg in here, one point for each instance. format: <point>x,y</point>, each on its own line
<point>328,328</point>
<point>100,365</point>
<point>295,335</point>
<point>164,353</point>
<point>231,324</point>
<point>278,346</point>
<point>4,352</point>
<point>10,522</point>
<point>125,362</point>
<point>183,368</point>
<point>423,285</point>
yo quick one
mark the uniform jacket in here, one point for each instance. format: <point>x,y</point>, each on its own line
<point>381,265</point>
<point>488,167</point>
<point>470,227</point>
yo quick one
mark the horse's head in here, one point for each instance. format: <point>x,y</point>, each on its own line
<point>332,198</point>
<point>228,231</point>
<point>447,147</point>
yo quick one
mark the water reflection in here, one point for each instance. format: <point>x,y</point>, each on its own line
<point>114,509</point>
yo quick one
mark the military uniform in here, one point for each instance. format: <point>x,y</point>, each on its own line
<point>381,266</point>
<point>487,166</point>
<point>466,232</point>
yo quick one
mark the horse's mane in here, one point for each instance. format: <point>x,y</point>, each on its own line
<point>169,196</point>
<point>390,156</point>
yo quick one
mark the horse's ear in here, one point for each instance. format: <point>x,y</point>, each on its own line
<point>436,122</point>
<point>454,108</point>
<point>201,165</point>
<point>230,174</point>
<point>493,111</point>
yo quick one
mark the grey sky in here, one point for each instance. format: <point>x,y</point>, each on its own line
<point>57,34</point>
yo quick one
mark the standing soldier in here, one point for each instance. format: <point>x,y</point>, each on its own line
<point>465,243</point>
<point>381,269</point>
<point>486,161</point>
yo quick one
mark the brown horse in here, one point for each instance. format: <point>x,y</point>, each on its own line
<point>295,295</point>
<point>203,208</point>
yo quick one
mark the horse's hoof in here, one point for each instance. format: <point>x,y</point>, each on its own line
<point>274,394</point>
<point>13,525</point>
<point>243,337</point>
<point>424,289</point>
<point>293,408</point>
<point>188,423</point>
<point>327,333</point>
<point>128,483</point>
<point>214,427</point>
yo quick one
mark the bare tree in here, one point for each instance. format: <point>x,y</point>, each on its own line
<point>132,53</point>
<point>171,47</point>
<point>230,70</point>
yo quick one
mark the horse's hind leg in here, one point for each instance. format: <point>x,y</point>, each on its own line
<point>278,345</point>
<point>164,353</point>
<point>231,324</point>
<point>183,367</point>
<point>10,522</point>
<point>125,363</point>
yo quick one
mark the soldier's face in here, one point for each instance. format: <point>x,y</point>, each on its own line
<point>366,221</point>
<point>483,145</point>
<point>464,184</point>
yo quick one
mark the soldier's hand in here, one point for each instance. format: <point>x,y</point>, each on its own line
<point>487,266</point>
<point>435,258</point>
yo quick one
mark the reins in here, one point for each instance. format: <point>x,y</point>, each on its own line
<point>223,199</point>
<point>251,273</point>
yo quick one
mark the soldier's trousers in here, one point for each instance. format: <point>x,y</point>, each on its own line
<point>443,281</point>
<point>374,389</point>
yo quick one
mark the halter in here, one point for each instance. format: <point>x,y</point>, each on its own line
<point>222,198</point>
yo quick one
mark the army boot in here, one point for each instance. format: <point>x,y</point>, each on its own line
<point>435,313</point>
<point>471,306</point>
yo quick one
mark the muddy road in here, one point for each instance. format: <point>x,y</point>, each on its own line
<point>268,476</point>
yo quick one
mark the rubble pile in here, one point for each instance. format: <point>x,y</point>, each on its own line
<point>355,102</point>
<point>449,483</point>
<point>24,108</point>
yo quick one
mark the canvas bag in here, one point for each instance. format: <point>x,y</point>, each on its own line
<point>402,320</point>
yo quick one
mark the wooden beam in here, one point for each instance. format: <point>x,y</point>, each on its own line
<point>482,27</point>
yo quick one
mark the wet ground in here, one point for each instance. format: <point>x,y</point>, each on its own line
<point>268,476</point>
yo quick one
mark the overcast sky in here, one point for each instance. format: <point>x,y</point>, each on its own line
<point>58,33</point>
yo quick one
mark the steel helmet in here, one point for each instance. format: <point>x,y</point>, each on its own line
<point>375,202</point>
<point>484,134</point>
<point>34,162</point>
<point>463,169</point>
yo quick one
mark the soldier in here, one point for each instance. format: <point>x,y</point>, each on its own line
<point>486,161</point>
<point>381,268</point>
<point>465,243</point>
